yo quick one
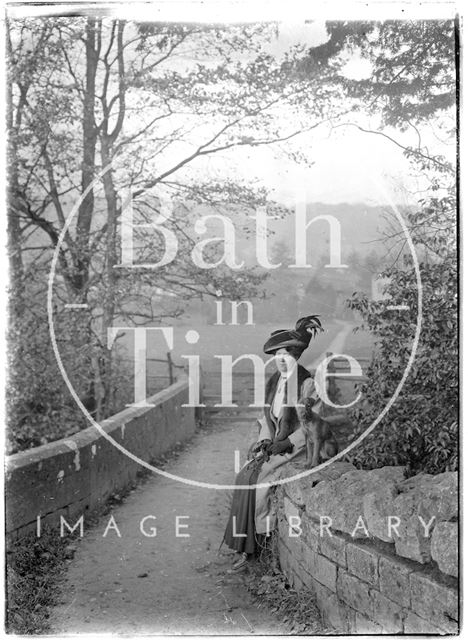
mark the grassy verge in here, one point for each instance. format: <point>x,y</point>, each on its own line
<point>33,568</point>
<point>36,567</point>
<point>296,609</point>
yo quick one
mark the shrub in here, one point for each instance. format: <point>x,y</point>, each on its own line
<point>40,408</point>
<point>421,429</point>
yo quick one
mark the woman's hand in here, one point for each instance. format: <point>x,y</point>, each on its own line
<point>263,444</point>
<point>280,447</point>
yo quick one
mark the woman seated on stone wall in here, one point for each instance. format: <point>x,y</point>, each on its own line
<point>280,439</point>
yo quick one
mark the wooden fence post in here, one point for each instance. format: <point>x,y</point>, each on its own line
<point>331,381</point>
<point>199,413</point>
<point>169,364</point>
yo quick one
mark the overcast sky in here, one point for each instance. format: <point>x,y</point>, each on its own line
<point>349,165</point>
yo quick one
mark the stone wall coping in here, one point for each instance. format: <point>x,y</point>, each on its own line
<point>348,496</point>
<point>90,435</point>
<point>362,585</point>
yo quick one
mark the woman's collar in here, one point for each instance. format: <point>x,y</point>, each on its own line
<point>288,374</point>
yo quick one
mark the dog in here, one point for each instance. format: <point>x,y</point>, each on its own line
<point>321,443</point>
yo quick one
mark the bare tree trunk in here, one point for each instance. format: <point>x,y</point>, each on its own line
<point>13,225</point>
<point>14,243</point>
<point>110,272</point>
<point>107,140</point>
<point>90,135</point>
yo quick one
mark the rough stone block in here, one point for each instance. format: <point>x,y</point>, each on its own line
<point>413,543</point>
<point>325,572</point>
<point>321,569</point>
<point>297,489</point>
<point>363,562</point>
<point>332,472</point>
<point>378,507</point>
<point>414,624</point>
<point>297,566</point>
<point>297,582</point>
<point>341,499</point>
<point>283,530</point>
<point>444,547</point>
<point>364,626</point>
<point>304,578</point>
<point>435,602</point>
<point>301,487</point>
<point>440,498</point>
<point>394,580</point>
<point>311,533</point>
<point>29,495</point>
<point>75,509</point>
<point>334,612</point>
<point>423,499</point>
<point>285,558</point>
<point>293,571</point>
<point>321,594</point>
<point>297,547</point>
<point>290,510</point>
<point>334,548</point>
<point>386,613</point>
<point>353,592</point>
<point>290,575</point>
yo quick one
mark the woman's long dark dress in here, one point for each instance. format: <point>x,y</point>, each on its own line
<point>243,510</point>
<point>244,500</point>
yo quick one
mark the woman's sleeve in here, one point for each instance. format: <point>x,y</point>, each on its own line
<point>297,439</point>
<point>264,433</point>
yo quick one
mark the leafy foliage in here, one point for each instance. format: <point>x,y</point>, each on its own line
<point>413,71</point>
<point>410,85</point>
<point>88,93</point>
<point>421,429</point>
<point>85,93</point>
<point>34,568</point>
<point>40,408</point>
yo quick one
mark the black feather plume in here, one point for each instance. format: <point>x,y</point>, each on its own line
<point>309,324</point>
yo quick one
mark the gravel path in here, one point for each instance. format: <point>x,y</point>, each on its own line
<point>133,584</point>
<point>164,584</point>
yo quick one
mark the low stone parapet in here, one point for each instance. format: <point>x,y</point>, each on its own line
<point>74,475</point>
<point>380,552</point>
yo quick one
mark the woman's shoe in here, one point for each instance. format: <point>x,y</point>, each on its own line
<point>240,561</point>
<point>240,564</point>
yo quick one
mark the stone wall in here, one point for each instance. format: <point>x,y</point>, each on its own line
<point>73,475</point>
<point>367,576</point>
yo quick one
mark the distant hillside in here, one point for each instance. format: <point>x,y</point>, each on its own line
<point>361,225</point>
<point>362,228</point>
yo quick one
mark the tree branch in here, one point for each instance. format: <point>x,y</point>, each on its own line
<point>442,165</point>
<point>121,68</point>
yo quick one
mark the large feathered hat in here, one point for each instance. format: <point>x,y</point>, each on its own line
<point>297,338</point>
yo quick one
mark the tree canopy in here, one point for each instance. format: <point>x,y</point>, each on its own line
<point>139,110</point>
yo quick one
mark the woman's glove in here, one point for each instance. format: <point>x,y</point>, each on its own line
<point>280,447</point>
<point>263,444</point>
